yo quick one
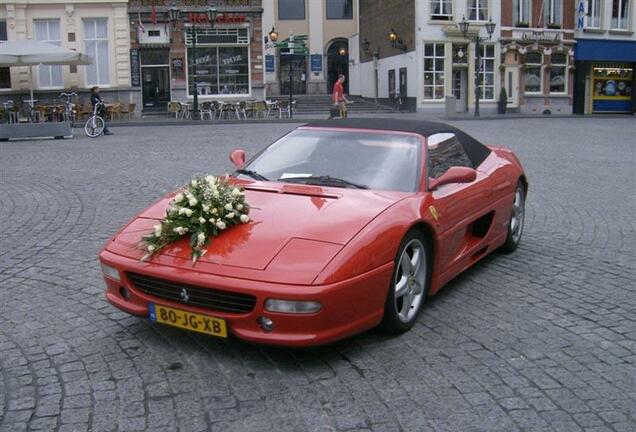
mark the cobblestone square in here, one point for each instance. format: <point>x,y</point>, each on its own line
<point>543,339</point>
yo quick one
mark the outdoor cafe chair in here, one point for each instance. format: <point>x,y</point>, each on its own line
<point>174,108</point>
<point>128,109</point>
<point>260,109</point>
<point>283,107</point>
<point>206,110</point>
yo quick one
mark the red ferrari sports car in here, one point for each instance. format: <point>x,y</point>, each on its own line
<point>353,224</point>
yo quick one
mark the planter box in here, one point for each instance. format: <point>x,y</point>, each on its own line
<point>36,130</point>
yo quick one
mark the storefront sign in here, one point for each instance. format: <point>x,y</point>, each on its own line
<point>202,18</point>
<point>538,36</point>
<point>316,62</point>
<point>135,75</point>
<point>195,3</point>
<point>269,63</point>
<point>580,15</point>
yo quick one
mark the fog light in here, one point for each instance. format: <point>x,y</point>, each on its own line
<point>289,306</point>
<point>111,272</point>
<point>123,291</point>
<point>266,324</point>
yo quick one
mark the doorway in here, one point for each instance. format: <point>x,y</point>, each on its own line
<point>460,89</point>
<point>155,86</point>
<point>298,65</point>
<point>338,63</point>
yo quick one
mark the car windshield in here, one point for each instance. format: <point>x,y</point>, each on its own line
<point>343,158</point>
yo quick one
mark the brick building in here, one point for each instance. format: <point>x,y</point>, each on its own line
<point>229,54</point>
<point>537,40</point>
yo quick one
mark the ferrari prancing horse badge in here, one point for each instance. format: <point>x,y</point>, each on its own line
<point>434,213</point>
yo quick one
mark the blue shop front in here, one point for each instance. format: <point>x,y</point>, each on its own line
<point>604,80</point>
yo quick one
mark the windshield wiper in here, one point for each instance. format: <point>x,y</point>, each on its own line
<point>324,180</point>
<point>253,174</point>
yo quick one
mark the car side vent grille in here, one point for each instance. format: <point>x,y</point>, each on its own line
<point>208,298</point>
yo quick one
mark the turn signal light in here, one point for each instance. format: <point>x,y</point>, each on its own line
<point>289,306</point>
<point>111,272</point>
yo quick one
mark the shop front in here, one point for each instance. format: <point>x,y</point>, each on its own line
<point>217,56</point>
<point>605,77</point>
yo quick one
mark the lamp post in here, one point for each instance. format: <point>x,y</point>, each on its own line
<point>174,13</point>
<point>490,28</point>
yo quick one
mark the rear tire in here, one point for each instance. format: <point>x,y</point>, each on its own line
<point>409,284</point>
<point>517,217</point>
<point>94,126</point>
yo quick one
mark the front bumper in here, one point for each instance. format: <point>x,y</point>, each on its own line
<point>348,307</point>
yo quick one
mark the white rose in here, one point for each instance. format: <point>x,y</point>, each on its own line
<point>157,230</point>
<point>210,179</point>
<point>230,215</point>
<point>200,238</point>
<point>188,212</point>
<point>202,220</point>
<point>220,225</point>
<point>245,218</point>
<point>228,207</point>
<point>236,192</point>
<point>193,201</point>
<point>206,208</point>
<point>214,211</point>
<point>151,248</point>
<point>215,193</point>
<point>212,220</point>
<point>239,206</point>
<point>182,210</point>
<point>178,197</point>
<point>194,183</point>
<point>180,230</point>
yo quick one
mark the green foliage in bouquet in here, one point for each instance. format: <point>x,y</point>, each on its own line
<point>206,207</point>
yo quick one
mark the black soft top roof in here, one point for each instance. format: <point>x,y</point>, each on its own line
<point>476,151</point>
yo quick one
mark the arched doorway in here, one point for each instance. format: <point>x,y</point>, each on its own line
<point>337,63</point>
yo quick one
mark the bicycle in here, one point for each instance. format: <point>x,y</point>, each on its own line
<point>94,126</point>
<point>68,114</point>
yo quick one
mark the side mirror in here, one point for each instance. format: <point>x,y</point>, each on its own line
<point>454,174</point>
<point>238,158</point>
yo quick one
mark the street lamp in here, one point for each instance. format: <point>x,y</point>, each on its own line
<point>490,28</point>
<point>174,14</point>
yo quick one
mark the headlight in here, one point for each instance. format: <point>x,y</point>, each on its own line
<point>111,272</point>
<point>289,306</point>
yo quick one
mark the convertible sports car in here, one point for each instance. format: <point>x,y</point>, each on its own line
<point>354,222</point>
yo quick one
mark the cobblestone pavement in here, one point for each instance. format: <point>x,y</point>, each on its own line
<point>540,340</point>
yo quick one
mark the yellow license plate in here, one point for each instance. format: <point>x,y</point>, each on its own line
<point>187,320</point>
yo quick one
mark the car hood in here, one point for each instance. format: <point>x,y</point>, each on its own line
<point>295,230</point>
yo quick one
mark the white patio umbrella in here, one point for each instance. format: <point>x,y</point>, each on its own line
<point>32,53</point>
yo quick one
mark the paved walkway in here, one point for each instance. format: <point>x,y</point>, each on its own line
<point>540,340</point>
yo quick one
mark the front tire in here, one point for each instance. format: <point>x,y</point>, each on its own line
<point>409,284</point>
<point>517,217</point>
<point>94,126</point>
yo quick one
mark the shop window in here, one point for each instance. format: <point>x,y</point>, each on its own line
<point>558,72</point>
<point>48,31</point>
<point>291,9</point>
<point>434,71</point>
<point>521,13</point>
<point>552,13</point>
<point>221,70</point>
<point>612,82</point>
<point>339,9</point>
<point>5,72</point>
<point>478,10</point>
<point>593,16</point>
<point>533,72</point>
<point>96,46</point>
<point>442,10</point>
<point>620,14</point>
<point>487,75</point>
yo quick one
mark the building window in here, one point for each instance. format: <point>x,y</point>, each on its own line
<point>593,16</point>
<point>96,46</point>
<point>487,72</point>
<point>442,10</point>
<point>620,14</point>
<point>558,72</point>
<point>5,72</point>
<point>533,72</point>
<point>521,13</point>
<point>48,31</point>
<point>434,71</point>
<point>552,13</point>
<point>291,9</point>
<point>478,10</point>
<point>339,9</point>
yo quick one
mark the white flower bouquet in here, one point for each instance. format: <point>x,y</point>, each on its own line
<point>202,210</point>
